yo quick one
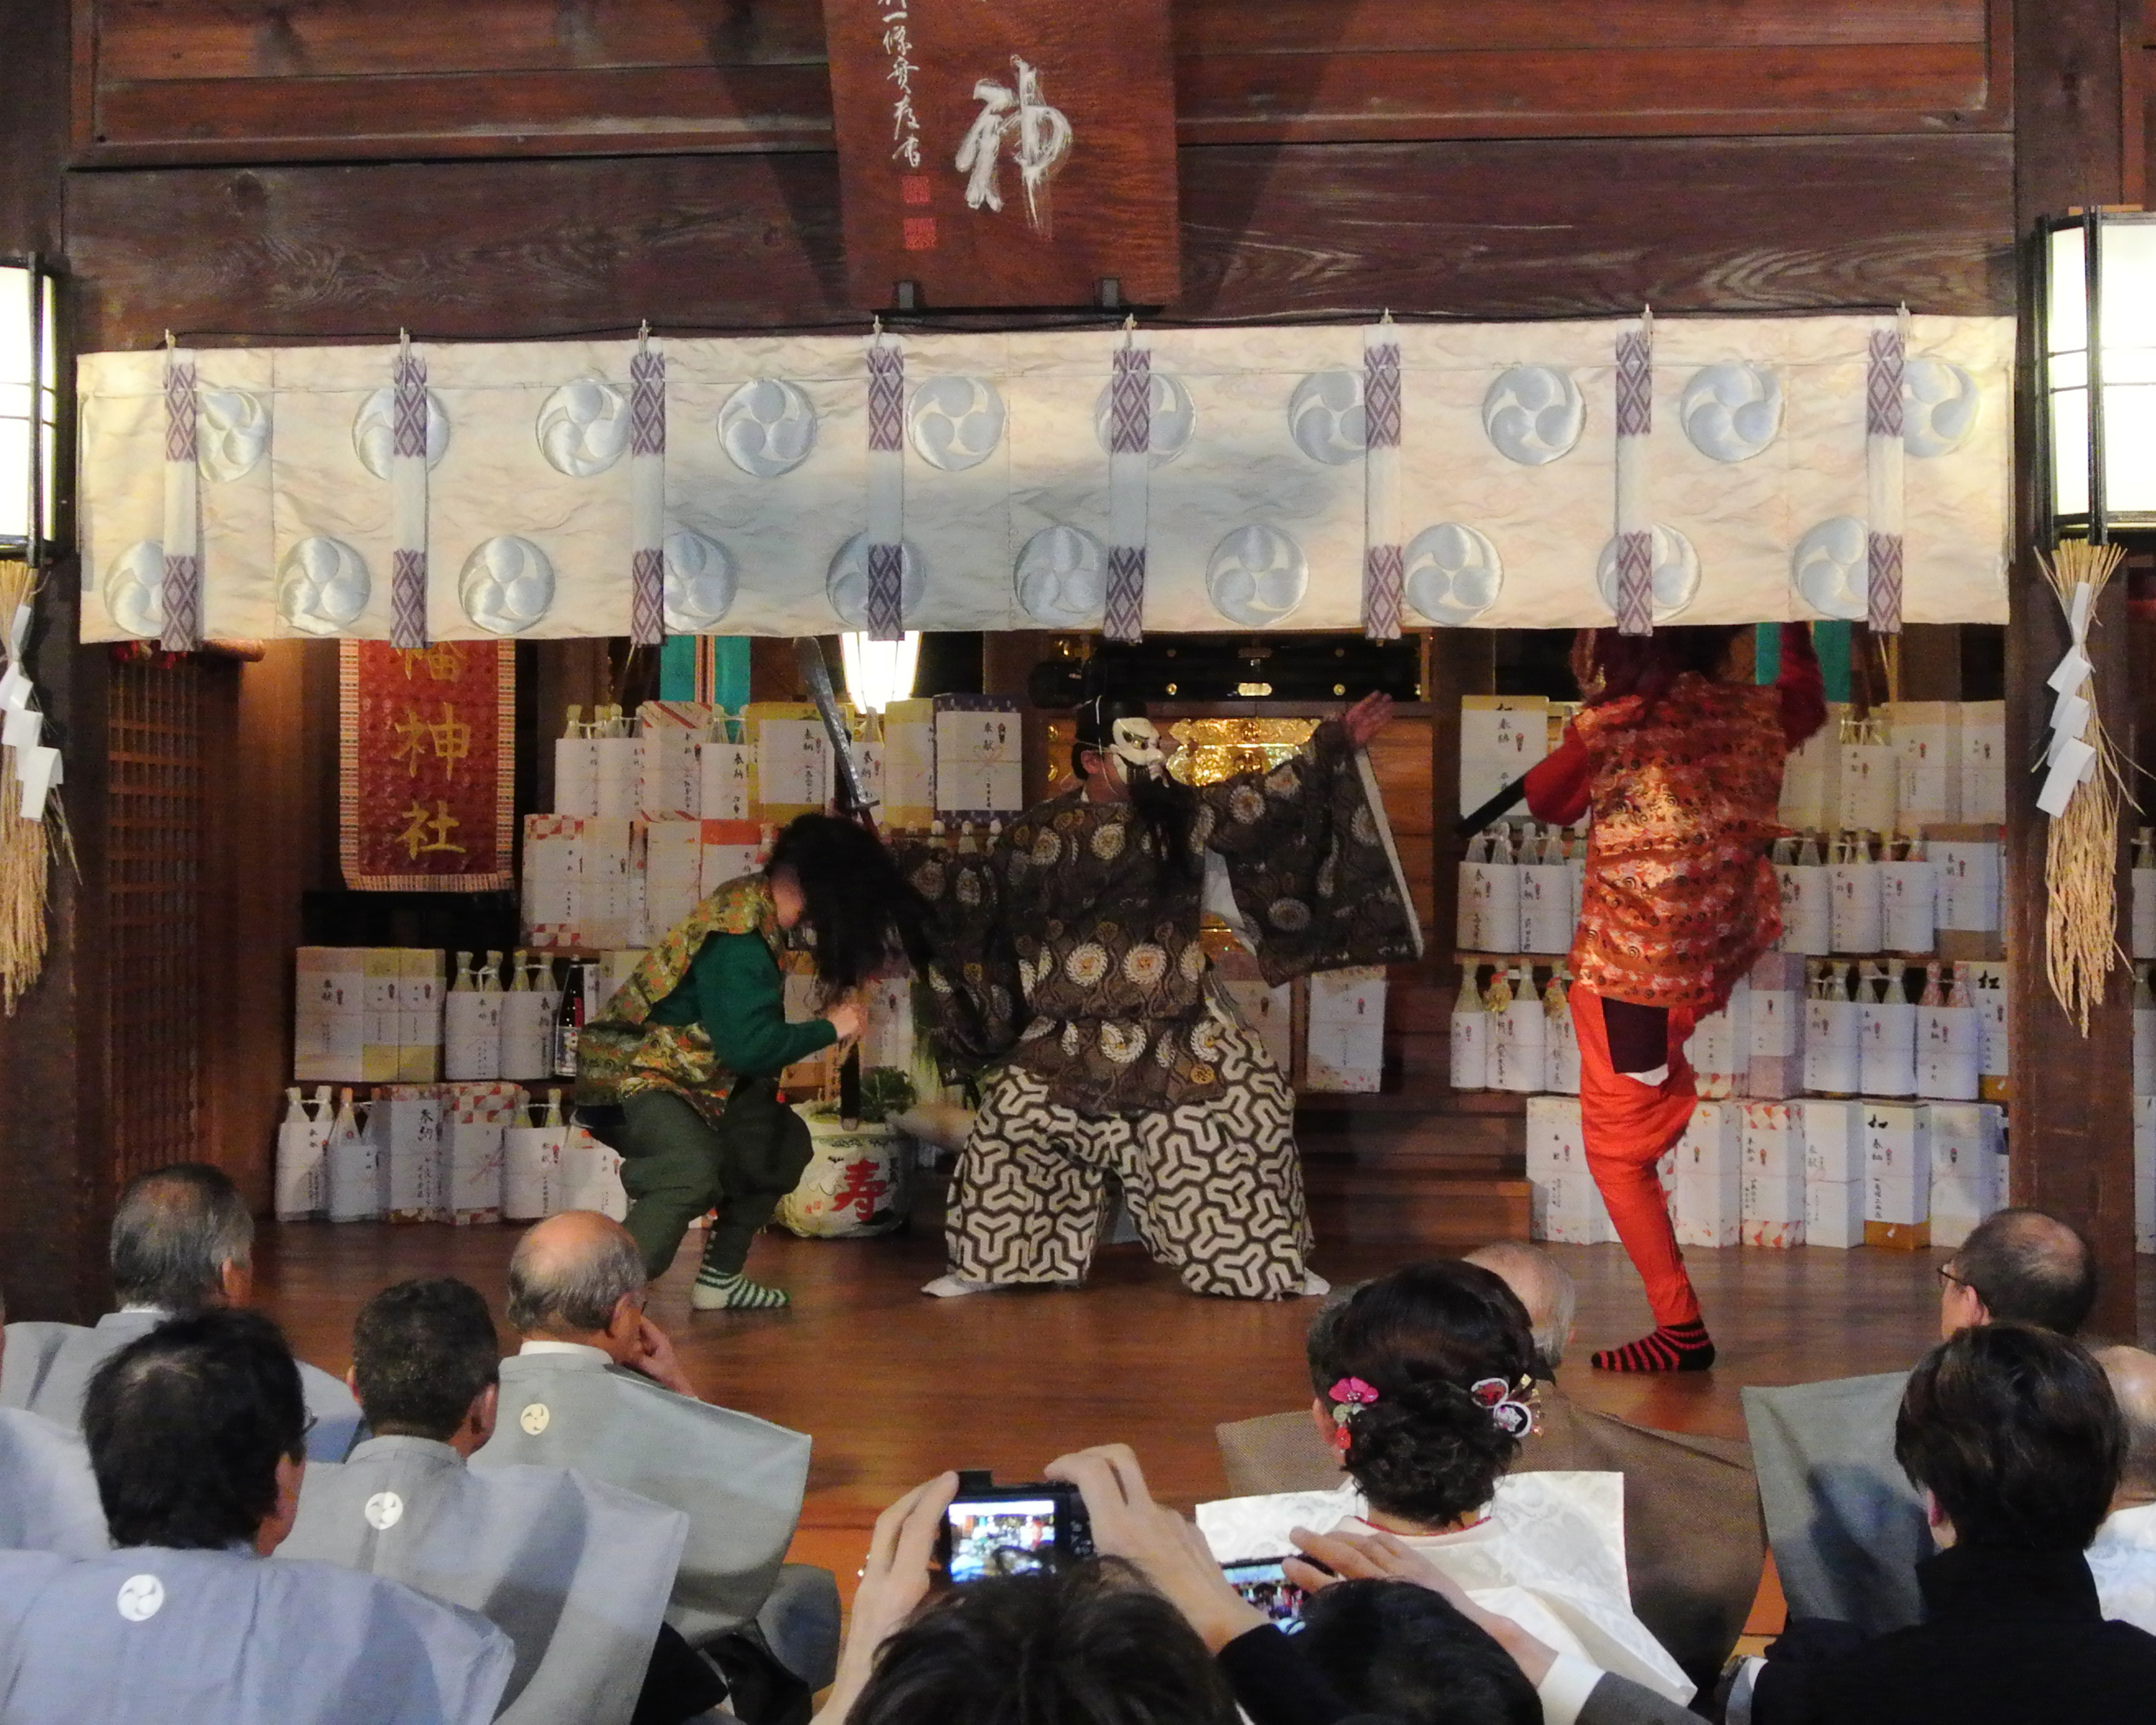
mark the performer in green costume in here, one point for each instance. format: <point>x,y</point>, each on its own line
<point>679,1072</point>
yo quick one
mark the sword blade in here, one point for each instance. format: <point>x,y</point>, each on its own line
<point>808,654</point>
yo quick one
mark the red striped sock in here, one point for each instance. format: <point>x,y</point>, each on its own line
<point>1672,1347</point>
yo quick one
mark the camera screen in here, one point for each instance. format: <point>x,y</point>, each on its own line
<point>1264,1584</point>
<point>1001,1536</point>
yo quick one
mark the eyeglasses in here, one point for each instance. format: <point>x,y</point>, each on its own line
<point>1947,1278</point>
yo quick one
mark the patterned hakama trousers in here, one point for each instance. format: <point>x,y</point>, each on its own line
<point>1214,1188</point>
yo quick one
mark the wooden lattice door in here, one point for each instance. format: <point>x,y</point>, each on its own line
<point>157,853</point>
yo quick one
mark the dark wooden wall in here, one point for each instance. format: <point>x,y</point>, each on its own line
<point>262,170</point>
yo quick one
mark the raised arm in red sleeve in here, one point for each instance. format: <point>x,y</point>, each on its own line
<point>1557,785</point>
<point>1802,691</point>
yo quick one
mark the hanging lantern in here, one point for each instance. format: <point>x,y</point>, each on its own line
<point>2096,308</point>
<point>879,672</point>
<point>29,413</point>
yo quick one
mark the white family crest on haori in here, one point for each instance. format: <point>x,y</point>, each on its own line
<point>1315,477</point>
<point>1038,136</point>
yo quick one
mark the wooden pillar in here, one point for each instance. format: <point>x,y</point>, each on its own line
<point>2073,1118</point>
<point>55,1161</point>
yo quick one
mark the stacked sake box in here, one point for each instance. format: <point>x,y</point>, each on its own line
<point>1968,1168</point>
<point>2144,1174</point>
<point>1344,1031</point>
<point>1707,1177</point>
<point>1771,1197</point>
<point>367,1014</point>
<point>1897,1172</point>
<point>1833,1172</point>
<point>1564,1204</point>
<point>578,882</point>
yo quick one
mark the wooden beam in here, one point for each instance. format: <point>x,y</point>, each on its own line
<point>2073,1118</point>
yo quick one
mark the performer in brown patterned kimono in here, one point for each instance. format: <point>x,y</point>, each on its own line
<point>1071,974</point>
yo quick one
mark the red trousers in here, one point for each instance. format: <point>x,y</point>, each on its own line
<point>1627,1126</point>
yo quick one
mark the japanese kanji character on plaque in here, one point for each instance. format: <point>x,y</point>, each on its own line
<point>1005,153</point>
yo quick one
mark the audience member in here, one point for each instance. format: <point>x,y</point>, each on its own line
<point>595,1386</point>
<point>182,1242</point>
<point>1847,1527</point>
<point>1693,1542</point>
<point>1408,1654</point>
<point>1425,1380</point>
<point>48,1494</point>
<point>2123,1556</point>
<point>577,1574</point>
<point>196,1433</point>
<point>2013,1435</point>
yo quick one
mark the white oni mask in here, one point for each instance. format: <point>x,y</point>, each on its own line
<point>1135,744</point>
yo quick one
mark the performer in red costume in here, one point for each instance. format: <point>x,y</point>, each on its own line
<point>1679,755</point>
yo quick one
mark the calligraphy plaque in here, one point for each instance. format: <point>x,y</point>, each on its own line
<point>428,764</point>
<point>1005,153</point>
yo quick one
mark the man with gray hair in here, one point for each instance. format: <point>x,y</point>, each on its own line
<point>1693,1545</point>
<point>596,1385</point>
<point>182,1242</point>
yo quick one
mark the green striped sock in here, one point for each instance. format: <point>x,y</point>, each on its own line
<point>741,1293</point>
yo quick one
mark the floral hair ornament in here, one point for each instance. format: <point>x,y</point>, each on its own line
<point>1512,1406</point>
<point>1349,1397</point>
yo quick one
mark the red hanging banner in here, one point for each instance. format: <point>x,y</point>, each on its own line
<point>428,766</point>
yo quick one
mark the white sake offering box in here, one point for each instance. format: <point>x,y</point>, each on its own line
<point>1572,1212</point>
<point>980,757</point>
<point>909,765</point>
<point>1866,782</point>
<point>1897,1145</point>
<point>1908,906</point>
<point>1774,1026</point>
<point>1501,737</point>
<point>406,1124</point>
<point>670,855</point>
<point>1344,1045</point>
<point>670,777</point>
<point>576,776</point>
<point>1833,1140</point>
<point>1983,731</point>
<point>1900,1204</point>
<point>1929,756</point>
<point>1808,776</point>
<point>1554,1144</point>
<point>618,764</point>
<point>1807,890</point>
<point>1707,1210</point>
<point>1857,923</point>
<point>723,782</point>
<point>1832,1051</point>
<point>1834,1214</point>
<point>1968,882</point>
<point>1967,1139</point>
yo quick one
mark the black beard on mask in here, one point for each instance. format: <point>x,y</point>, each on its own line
<point>1168,808</point>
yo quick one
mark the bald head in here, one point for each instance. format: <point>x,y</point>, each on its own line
<point>2132,1374</point>
<point>2026,1267</point>
<point>1542,1285</point>
<point>570,1272</point>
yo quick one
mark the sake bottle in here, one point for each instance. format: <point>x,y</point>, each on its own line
<point>553,1119</point>
<point>1470,1034</point>
<point>490,978</point>
<point>466,983</point>
<point>517,983</point>
<point>569,1024</point>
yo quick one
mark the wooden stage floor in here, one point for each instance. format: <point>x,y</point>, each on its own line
<point>895,1387</point>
